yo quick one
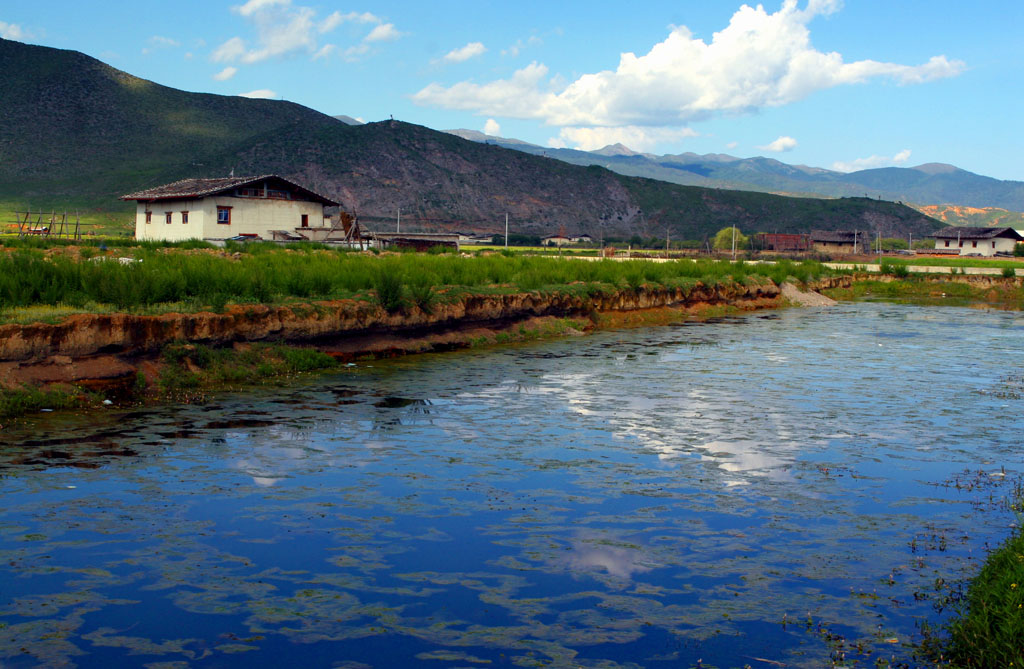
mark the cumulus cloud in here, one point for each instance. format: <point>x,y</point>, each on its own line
<point>158,42</point>
<point>462,54</point>
<point>261,94</point>
<point>635,137</point>
<point>520,44</point>
<point>492,128</point>
<point>758,60</point>
<point>781,144</point>
<point>385,32</point>
<point>13,31</point>
<point>284,29</point>
<point>226,73</point>
<point>872,162</point>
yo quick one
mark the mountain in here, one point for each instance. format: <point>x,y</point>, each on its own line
<point>928,184</point>
<point>74,130</point>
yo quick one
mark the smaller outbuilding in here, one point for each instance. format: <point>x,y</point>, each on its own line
<point>967,241</point>
<point>775,241</point>
<point>841,242</point>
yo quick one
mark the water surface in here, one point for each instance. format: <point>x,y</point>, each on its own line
<point>798,487</point>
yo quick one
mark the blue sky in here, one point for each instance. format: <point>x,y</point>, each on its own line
<point>865,83</point>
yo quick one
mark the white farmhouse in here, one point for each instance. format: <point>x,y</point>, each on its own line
<point>967,241</point>
<point>264,206</point>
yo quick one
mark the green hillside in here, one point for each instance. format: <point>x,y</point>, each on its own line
<point>83,133</point>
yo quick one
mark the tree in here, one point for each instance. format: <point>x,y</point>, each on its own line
<point>723,240</point>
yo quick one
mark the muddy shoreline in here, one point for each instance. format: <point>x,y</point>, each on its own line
<point>102,351</point>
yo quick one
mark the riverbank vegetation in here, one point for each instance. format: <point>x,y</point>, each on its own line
<point>918,289</point>
<point>193,279</point>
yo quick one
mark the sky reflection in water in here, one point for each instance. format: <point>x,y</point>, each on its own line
<point>636,498</point>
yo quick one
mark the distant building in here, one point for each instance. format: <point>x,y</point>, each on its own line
<point>216,209</point>
<point>582,239</point>
<point>555,240</point>
<point>842,242</point>
<point>421,241</point>
<point>968,241</point>
<point>774,241</point>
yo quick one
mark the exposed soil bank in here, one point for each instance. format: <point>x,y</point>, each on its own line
<point>107,350</point>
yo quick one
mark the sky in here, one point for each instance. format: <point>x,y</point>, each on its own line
<point>826,83</point>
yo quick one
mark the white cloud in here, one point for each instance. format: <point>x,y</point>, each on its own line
<point>635,137</point>
<point>732,145</point>
<point>492,128</point>
<point>462,54</point>
<point>520,44</point>
<point>758,60</point>
<point>355,52</point>
<point>226,73</point>
<point>158,42</point>
<point>262,94</point>
<point>254,6</point>
<point>13,31</point>
<point>385,32</point>
<point>872,162</point>
<point>229,51</point>
<point>337,18</point>
<point>780,145</point>
<point>284,29</point>
<point>325,51</point>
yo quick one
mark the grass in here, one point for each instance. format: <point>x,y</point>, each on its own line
<point>920,290</point>
<point>991,632</point>
<point>989,628</point>
<point>195,278</point>
<point>20,401</point>
<point>958,261</point>
<point>189,369</point>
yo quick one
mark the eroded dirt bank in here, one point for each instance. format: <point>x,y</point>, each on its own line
<point>103,349</point>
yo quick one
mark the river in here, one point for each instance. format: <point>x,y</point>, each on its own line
<point>787,488</point>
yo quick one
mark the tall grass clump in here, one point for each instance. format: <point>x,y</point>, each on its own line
<point>264,273</point>
<point>390,291</point>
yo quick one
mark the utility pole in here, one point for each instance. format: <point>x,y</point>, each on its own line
<point>506,229</point>
<point>398,223</point>
<point>734,243</point>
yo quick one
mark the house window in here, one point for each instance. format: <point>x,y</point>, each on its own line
<point>184,217</point>
<point>993,244</point>
<point>224,215</point>
<point>947,243</point>
<point>961,243</point>
<point>149,217</point>
<point>167,217</point>
<point>305,220</point>
<point>974,245</point>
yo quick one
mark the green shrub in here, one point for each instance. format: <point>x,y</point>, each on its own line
<point>1009,272</point>
<point>390,291</point>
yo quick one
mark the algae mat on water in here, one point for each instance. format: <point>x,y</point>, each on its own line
<point>801,487</point>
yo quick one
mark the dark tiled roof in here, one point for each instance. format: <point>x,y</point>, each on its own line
<point>837,236</point>
<point>964,232</point>
<point>195,188</point>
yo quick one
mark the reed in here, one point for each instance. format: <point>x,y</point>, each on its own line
<point>155,275</point>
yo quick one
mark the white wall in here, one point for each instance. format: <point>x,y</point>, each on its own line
<point>984,247</point>
<point>248,216</point>
<point>158,229</point>
<point>258,216</point>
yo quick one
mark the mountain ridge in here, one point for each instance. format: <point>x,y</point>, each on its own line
<point>926,184</point>
<point>84,131</point>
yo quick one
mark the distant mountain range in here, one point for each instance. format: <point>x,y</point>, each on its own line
<point>74,130</point>
<point>929,184</point>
